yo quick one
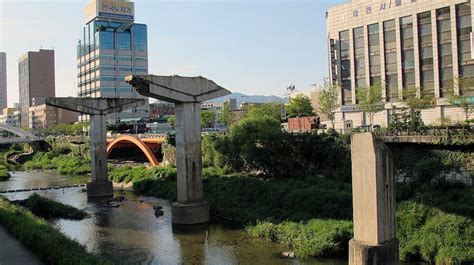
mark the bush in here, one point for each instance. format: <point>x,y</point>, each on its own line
<point>4,174</point>
<point>64,164</point>
<point>432,235</point>
<point>317,237</point>
<point>46,242</point>
<point>48,208</point>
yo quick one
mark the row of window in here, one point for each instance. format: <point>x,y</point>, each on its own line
<point>114,68</point>
<point>112,35</point>
<point>425,41</point>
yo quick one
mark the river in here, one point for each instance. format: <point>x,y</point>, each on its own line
<point>131,234</point>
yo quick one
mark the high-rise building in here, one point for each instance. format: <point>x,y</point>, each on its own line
<point>36,79</point>
<point>3,80</point>
<point>112,46</point>
<point>401,44</point>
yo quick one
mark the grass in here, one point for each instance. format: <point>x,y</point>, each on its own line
<point>313,238</point>
<point>425,234</point>
<point>4,174</point>
<point>48,208</point>
<point>46,242</point>
<point>63,163</point>
<point>429,234</point>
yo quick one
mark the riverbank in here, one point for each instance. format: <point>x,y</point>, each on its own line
<point>312,217</point>
<point>46,242</point>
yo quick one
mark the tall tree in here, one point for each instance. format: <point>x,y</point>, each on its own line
<point>226,114</point>
<point>299,106</point>
<point>370,100</point>
<point>271,110</point>
<point>208,118</point>
<point>416,102</point>
<point>329,100</point>
<point>462,100</point>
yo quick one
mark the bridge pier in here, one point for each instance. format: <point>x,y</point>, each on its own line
<point>97,108</point>
<point>187,93</point>
<point>373,198</point>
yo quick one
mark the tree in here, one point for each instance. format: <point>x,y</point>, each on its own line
<point>299,106</point>
<point>370,100</point>
<point>462,100</point>
<point>271,110</point>
<point>171,120</point>
<point>207,118</point>
<point>329,100</point>
<point>416,102</point>
<point>226,114</point>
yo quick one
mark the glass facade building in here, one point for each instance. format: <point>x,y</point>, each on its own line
<point>401,44</point>
<point>110,49</point>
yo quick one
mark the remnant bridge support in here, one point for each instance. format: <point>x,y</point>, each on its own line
<point>97,108</point>
<point>373,198</point>
<point>187,93</point>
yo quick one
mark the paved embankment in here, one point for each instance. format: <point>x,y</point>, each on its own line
<point>12,252</point>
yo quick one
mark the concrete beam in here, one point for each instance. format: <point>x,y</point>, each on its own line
<point>176,89</point>
<point>94,106</point>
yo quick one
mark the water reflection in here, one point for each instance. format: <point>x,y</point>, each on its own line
<point>132,234</point>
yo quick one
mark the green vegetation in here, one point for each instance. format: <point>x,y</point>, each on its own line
<point>66,129</point>
<point>48,208</point>
<point>432,235</point>
<point>60,159</point>
<point>299,106</point>
<point>49,244</point>
<point>329,100</point>
<point>4,175</point>
<point>208,117</point>
<point>425,233</point>
<point>370,100</point>
<point>314,238</point>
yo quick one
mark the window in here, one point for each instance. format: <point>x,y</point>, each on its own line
<point>390,58</point>
<point>106,40</point>
<point>123,41</point>
<point>140,39</point>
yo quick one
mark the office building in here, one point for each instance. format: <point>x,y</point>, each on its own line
<point>36,79</point>
<point>111,47</point>
<point>160,109</point>
<point>3,80</point>
<point>11,117</point>
<point>400,44</point>
<point>42,116</point>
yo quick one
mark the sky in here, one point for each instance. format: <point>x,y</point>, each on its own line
<point>251,47</point>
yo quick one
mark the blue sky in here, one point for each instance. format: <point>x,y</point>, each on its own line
<point>252,47</point>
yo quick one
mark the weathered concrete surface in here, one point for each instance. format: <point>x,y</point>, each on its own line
<point>373,196</point>
<point>187,93</point>
<point>176,89</point>
<point>13,252</point>
<point>363,254</point>
<point>97,108</point>
<point>190,213</point>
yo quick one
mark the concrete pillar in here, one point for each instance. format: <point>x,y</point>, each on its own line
<point>187,93</point>
<point>190,207</point>
<point>373,194</point>
<point>99,186</point>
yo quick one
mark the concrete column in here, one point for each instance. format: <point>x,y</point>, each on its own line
<point>373,195</point>
<point>416,53</point>
<point>382,62</point>
<point>434,32</point>
<point>454,48</point>
<point>100,186</point>
<point>190,207</point>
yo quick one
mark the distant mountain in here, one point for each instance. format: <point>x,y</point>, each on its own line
<point>250,98</point>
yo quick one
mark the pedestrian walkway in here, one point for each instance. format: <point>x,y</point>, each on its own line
<point>12,252</point>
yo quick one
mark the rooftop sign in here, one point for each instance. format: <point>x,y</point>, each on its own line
<point>109,9</point>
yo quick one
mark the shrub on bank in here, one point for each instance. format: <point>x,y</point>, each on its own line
<point>4,174</point>
<point>315,238</point>
<point>46,242</point>
<point>48,208</point>
<point>63,163</point>
<point>432,235</point>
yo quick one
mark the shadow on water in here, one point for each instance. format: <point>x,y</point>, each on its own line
<point>132,234</point>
